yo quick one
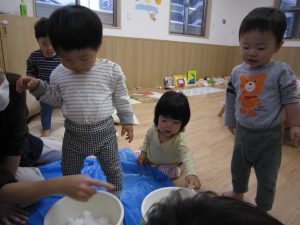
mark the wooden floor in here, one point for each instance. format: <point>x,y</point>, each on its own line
<point>211,145</point>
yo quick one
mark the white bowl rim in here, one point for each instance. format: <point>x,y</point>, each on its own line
<point>172,188</point>
<point>120,221</point>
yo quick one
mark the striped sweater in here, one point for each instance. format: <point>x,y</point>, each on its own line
<point>41,67</point>
<point>89,97</point>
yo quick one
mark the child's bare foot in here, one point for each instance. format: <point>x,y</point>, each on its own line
<point>231,194</point>
<point>45,133</point>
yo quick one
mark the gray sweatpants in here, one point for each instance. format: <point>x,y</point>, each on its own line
<point>260,149</point>
<point>81,141</point>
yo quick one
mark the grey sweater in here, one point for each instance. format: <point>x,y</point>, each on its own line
<point>255,96</point>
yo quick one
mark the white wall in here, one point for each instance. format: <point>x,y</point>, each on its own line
<point>137,23</point>
<point>13,6</point>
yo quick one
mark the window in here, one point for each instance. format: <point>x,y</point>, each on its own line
<point>106,9</point>
<point>291,8</point>
<point>188,17</point>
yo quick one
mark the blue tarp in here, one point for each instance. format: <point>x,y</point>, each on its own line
<point>138,182</point>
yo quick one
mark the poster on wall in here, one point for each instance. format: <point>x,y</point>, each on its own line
<point>151,7</point>
<point>180,80</point>
<point>191,77</point>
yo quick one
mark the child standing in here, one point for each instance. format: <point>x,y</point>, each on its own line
<point>40,65</point>
<point>165,145</point>
<point>88,90</point>
<point>258,91</point>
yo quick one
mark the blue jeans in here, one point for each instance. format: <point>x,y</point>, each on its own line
<point>46,114</point>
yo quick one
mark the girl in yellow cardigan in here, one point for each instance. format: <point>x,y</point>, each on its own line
<point>165,145</point>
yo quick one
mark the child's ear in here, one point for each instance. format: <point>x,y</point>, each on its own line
<point>279,46</point>
<point>98,48</point>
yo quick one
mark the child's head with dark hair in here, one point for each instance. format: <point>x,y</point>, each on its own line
<point>75,28</point>
<point>206,208</point>
<point>264,19</point>
<point>41,35</point>
<point>41,28</point>
<point>76,34</point>
<point>173,105</point>
<point>261,35</point>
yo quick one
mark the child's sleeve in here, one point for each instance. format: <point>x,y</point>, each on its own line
<point>289,95</point>
<point>288,86</point>
<point>186,156</point>
<point>146,142</point>
<point>230,104</point>
<point>121,98</point>
<point>49,94</point>
<point>31,69</point>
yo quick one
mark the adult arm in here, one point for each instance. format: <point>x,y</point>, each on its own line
<point>13,119</point>
<point>79,187</point>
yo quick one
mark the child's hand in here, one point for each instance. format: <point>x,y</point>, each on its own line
<point>295,135</point>
<point>232,130</point>
<point>26,83</point>
<point>142,158</point>
<point>127,130</point>
<point>192,182</point>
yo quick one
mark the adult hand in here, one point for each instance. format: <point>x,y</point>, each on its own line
<point>81,187</point>
<point>16,215</point>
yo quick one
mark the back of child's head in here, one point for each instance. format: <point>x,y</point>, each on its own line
<point>174,105</point>
<point>206,208</point>
<point>41,28</point>
<point>75,28</point>
<point>265,19</point>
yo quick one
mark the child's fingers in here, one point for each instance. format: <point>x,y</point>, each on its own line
<point>31,84</point>
<point>122,132</point>
<point>19,86</point>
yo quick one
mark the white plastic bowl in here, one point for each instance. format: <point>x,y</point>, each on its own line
<point>102,204</point>
<point>154,197</point>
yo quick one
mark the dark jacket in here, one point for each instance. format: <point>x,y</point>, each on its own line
<point>14,135</point>
<point>13,120</point>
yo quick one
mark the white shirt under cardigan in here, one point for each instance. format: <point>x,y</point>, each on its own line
<point>89,97</point>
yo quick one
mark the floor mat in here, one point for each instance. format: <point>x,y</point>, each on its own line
<point>154,96</point>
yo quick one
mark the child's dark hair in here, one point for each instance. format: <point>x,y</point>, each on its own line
<point>174,105</point>
<point>206,208</point>
<point>264,19</point>
<point>41,28</point>
<point>74,28</point>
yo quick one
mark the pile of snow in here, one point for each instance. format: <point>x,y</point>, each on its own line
<point>87,219</point>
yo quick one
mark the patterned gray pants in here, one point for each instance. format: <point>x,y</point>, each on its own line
<point>81,141</point>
